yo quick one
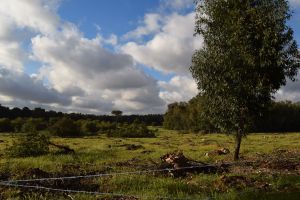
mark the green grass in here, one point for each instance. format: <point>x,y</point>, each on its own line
<point>95,153</point>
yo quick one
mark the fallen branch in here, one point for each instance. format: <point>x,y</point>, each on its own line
<point>65,149</point>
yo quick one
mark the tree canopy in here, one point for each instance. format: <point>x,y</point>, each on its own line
<point>248,54</point>
<point>117,112</point>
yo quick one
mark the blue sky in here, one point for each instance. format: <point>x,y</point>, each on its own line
<point>116,16</point>
<point>122,16</point>
<point>113,16</point>
<point>97,55</point>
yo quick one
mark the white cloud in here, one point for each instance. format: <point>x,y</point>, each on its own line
<point>171,49</point>
<point>33,14</point>
<point>22,86</point>
<point>112,40</point>
<point>11,54</point>
<point>291,91</point>
<point>17,20</point>
<point>150,25</point>
<point>81,75</point>
<point>111,79</point>
<point>179,88</point>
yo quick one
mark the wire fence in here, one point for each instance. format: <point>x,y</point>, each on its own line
<point>109,174</point>
<point>16,183</point>
<point>90,192</point>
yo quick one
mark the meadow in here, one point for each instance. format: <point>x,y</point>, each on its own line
<point>269,167</point>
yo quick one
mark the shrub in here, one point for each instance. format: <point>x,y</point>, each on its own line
<point>32,144</point>
<point>106,127</point>
<point>88,126</point>
<point>134,130</point>
<point>5,125</point>
<point>34,125</point>
<point>65,127</point>
<point>17,124</point>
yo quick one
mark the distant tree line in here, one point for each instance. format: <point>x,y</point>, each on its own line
<point>66,127</point>
<point>281,117</point>
<point>60,124</point>
<point>13,113</point>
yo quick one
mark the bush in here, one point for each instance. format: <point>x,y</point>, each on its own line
<point>17,124</point>
<point>134,130</point>
<point>65,127</point>
<point>32,144</point>
<point>88,126</point>
<point>5,125</point>
<point>188,116</point>
<point>34,125</point>
<point>106,127</point>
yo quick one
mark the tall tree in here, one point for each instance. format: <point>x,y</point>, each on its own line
<point>117,112</point>
<point>248,54</point>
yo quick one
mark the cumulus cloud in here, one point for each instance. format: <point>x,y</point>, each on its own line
<point>34,14</point>
<point>18,19</point>
<point>11,54</point>
<point>171,49</point>
<point>81,75</point>
<point>150,25</point>
<point>22,86</point>
<point>179,88</point>
<point>107,78</point>
<point>290,91</point>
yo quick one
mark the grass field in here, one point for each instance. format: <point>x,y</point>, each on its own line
<point>269,179</point>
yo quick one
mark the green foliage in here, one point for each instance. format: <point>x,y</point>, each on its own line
<point>66,127</point>
<point>88,126</point>
<point>17,124</point>
<point>133,130</point>
<point>188,116</point>
<point>281,117</point>
<point>32,144</point>
<point>248,53</point>
<point>34,125</point>
<point>117,112</point>
<point>5,125</point>
<point>176,116</point>
<point>105,127</point>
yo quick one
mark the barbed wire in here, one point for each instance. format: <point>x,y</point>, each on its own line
<point>109,174</point>
<point>90,192</point>
<point>14,183</point>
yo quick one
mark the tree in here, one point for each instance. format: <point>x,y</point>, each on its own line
<point>176,116</point>
<point>88,126</point>
<point>248,54</point>
<point>188,116</point>
<point>65,127</point>
<point>117,112</point>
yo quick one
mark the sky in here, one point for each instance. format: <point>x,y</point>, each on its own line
<point>99,55</point>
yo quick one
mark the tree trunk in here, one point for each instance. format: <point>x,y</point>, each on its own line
<point>238,140</point>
